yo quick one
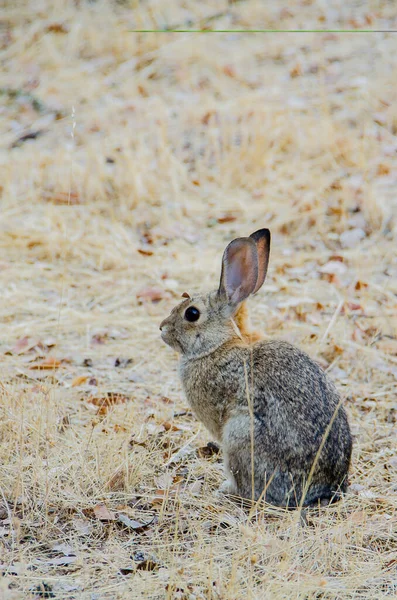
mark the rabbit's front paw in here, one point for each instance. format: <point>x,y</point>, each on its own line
<point>228,487</point>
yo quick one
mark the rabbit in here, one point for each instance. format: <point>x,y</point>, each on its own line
<point>278,417</point>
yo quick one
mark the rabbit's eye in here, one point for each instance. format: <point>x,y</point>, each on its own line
<point>192,314</point>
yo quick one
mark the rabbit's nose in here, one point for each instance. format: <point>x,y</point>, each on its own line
<point>163,323</point>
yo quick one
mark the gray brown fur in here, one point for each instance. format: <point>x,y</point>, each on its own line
<point>269,400</point>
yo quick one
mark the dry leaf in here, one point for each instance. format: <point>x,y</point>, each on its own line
<point>206,118</point>
<point>65,198</point>
<point>62,560</point>
<point>164,235</point>
<point>132,524</point>
<point>352,237</point>
<point>227,218</point>
<point>359,517</point>
<point>64,423</point>
<point>142,91</point>
<point>30,135</point>
<point>150,294</point>
<point>57,28</point>
<point>333,267</point>
<point>165,399</point>
<point>368,494</point>
<point>388,346</point>
<point>145,252</point>
<point>163,494</point>
<point>99,338</point>
<point>48,364</point>
<point>22,345</point>
<point>134,442</point>
<point>337,257</point>
<point>179,455</point>
<point>105,403</point>
<point>110,400</point>
<point>147,565</point>
<point>360,285</point>
<point>208,451</point>
<point>195,487</point>
<point>354,306</point>
<point>383,169</point>
<point>285,13</point>
<point>123,362</point>
<point>153,428</point>
<point>296,71</point>
<point>104,514</point>
<point>358,335</point>
<point>127,570</point>
<point>82,526</point>
<point>79,380</point>
<point>25,345</point>
<point>164,481</point>
<point>331,279</point>
<point>229,71</point>
<point>174,427</point>
<point>64,549</point>
<point>120,429</point>
<point>117,482</point>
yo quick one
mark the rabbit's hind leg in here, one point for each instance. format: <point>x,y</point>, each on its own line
<point>266,480</point>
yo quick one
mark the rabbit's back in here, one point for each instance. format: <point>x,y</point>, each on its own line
<point>286,380</point>
<point>295,404</point>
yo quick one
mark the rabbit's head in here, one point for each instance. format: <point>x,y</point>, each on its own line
<point>203,322</point>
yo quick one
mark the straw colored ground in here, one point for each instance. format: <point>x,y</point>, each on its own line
<point>147,154</point>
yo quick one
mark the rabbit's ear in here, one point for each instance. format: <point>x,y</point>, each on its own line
<point>262,241</point>
<point>239,270</point>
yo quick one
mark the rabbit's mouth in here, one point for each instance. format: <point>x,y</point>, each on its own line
<point>169,338</point>
<point>165,336</point>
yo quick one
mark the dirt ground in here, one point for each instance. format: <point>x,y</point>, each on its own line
<point>128,161</point>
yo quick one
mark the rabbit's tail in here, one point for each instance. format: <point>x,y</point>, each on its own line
<point>324,494</point>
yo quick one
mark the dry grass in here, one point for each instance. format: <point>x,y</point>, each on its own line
<point>154,151</point>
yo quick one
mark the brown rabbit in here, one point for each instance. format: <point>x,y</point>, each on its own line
<point>284,434</point>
